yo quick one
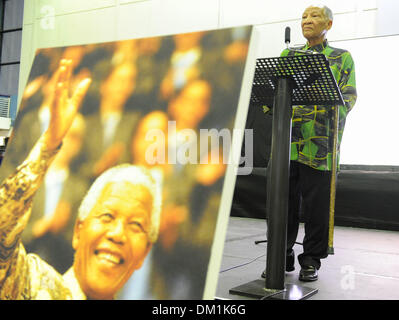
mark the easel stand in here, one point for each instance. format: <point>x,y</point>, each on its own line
<point>283,82</point>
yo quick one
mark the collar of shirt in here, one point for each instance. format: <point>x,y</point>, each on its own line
<point>72,283</point>
<point>318,47</point>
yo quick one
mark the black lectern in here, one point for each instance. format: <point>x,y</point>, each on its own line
<point>283,82</point>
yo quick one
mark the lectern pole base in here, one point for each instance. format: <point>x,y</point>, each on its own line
<point>256,289</point>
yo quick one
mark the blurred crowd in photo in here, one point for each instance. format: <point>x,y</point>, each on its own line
<point>137,85</point>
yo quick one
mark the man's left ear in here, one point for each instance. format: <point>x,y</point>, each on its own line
<point>76,234</point>
<point>329,25</point>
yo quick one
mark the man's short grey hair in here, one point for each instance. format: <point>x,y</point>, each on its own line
<point>328,13</point>
<point>326,10</point>
<point>135,175</point>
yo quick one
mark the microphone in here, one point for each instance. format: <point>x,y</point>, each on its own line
<point>288,40</point>
<point>287,36</point>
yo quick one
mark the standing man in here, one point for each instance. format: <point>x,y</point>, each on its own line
<point>312,151</point>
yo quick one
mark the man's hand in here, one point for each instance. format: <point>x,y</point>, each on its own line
<point>62,107</point>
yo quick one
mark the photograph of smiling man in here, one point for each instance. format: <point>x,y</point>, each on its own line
<point>113,177</point>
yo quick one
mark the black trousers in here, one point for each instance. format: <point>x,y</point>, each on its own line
<point>309,194</point>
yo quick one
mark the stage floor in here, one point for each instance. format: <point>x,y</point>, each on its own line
<point>365,264</point>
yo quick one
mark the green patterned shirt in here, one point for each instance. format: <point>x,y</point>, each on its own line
<point>312,126</point>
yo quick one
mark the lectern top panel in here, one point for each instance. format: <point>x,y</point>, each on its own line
<point>313,81</point>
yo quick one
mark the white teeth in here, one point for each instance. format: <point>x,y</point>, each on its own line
<point>109,257</point>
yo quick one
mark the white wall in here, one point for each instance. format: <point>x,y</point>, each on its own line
<point>371,130</point>
<point>52,23</point>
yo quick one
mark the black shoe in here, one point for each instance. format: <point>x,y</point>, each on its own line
<point>308,274</point>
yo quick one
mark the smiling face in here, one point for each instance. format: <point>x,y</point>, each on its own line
<point>315,25</point>
<point>112,241</point>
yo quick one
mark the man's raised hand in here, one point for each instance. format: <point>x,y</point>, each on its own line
<point>63,107</point>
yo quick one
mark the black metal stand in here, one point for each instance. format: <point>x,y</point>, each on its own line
<point>278,195</point>
<point>293,80</point>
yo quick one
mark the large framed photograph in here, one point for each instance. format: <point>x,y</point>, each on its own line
<point>166,104</point>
